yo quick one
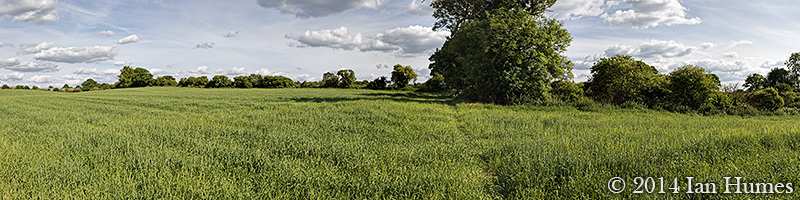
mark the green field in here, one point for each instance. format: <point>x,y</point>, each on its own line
<point>363,144</point>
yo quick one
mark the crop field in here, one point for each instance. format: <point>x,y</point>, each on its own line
<point>362,144</point>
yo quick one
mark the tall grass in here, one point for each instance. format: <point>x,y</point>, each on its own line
<point>361,144</point>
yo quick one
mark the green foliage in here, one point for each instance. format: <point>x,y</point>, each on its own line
<point>277,82</point>
<point>402,75</point>
<point>691,86</point>
<point>243,82</point>
<point>165,81</point>
<point>330,80</point>
<point>655,92</point>
<point>755,82</point>
<point>454,14</point>
<point>348,78</point>
<point>378,84</point>
<point>793,64</point>
<point>138,77</point>
<point>6,87</point>
<point>434,84</point>
<point>89,83</point>
<point>791,99</point>
<point>65,86</point>
<point>194,82</point>
<point>509,56</point>
<point>566,90</point>
<point>767,99</point>
<point>779,76</point>
<point>620,78</point>
<point>219,81</point>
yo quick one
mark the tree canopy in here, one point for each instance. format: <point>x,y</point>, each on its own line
<point>138,77</point>
<point>619,78</point>
<point>402,75</point>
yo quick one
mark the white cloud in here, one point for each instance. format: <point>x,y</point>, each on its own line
<point>13,76</point>
<point>200,70</point>
<point>130,39</point>
<point>318,8</point>
<point>236,71</point>
<point>405,41</point>
<point>95,71</point>
<point>419,8</point>
<point>34,48</point>
<point>651,13</point>
<point>652,49</point>
<point>107,33</point>
<point>264,71</point>
<point>576,9</point>
<point>730,54</point>
<point>708,45</point>
<point>41,79</point>
<point>73,79</point>
<point>219,71</point>
<point>16,64</point>
<point>738,43</point>
<point>31,11</point>
<point>231,34</point>
<point>6,45</point>
<point>78,54</point>
<point>719,65</point>
<point>122,63</point>
<point>205,45</point>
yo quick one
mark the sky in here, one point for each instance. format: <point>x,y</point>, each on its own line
<point>55,42</point>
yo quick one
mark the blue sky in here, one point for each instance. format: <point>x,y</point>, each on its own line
<point>53,42</point>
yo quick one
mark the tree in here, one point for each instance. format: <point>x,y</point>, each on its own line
<point>348,77</point>
<point>243,82</point>
<point>378,84</point>
<point>500,51</point>
<point>767,99</point>
<point>277,82</point>
<point>794,63</point>
<point>138,77</point>
<point>755,82</point>
<point>402,75</point>
<point>619,78</point>
<point>692,86</point>
<point>219,81</point>
<point>330,80</point>
<point>66,86</point>
<point>5,87</point>
<point>566,90</point>
<point>435,83</point>
<point>165,81</point>
<point>89,83</point>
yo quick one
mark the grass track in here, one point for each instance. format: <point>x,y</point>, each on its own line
<point>359,144</point>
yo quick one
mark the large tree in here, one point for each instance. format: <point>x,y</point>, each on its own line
<point>500,51</point>
<point>348,77</point>
<point>401,75</point>
<point>330,80</point>
<point>619,78</point>
<point>138,77</point>
<point>692,86</point>
<point>89,83</point>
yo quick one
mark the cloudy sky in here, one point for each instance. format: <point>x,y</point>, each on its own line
<point>53,42</point>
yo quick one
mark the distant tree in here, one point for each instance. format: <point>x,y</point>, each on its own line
<point>378,84</point>
<point>193,82</point>
<point>243,82</point>
<point>794,63</point>
<point>330,80</point>
<point>89,83</point>
<point>692,86</point>
<point>619,78</point>
<point>35,88</point>
<point>767,99</point>
<point>348,77</point>
<point>778,77</point>
<point>5,87</point>
<point>655,93</point>
<point>165,81</point>
<point>277,82</point>
<point>105,86</point>
<point>219,81</point>
<point>65,86</point>
<point>138,77</point>
<point>402,75</point>
<point>755,82</point>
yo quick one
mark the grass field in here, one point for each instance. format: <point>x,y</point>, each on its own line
<point>364,144</point>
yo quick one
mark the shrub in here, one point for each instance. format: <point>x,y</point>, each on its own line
<point>566,90</point>
<point>767,99</point>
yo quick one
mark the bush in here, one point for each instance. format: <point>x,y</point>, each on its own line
<point>767,99</point>
<point>566,90</point>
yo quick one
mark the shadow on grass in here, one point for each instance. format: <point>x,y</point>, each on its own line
<point>418,97</point>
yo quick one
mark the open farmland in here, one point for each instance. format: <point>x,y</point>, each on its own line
<point>363,144</point>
